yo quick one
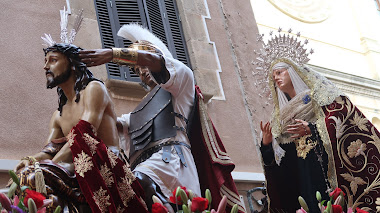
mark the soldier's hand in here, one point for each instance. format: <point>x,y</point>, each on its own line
<point>95,57</point>
<point>267,133</point>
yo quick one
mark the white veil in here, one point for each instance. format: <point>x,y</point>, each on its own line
<point>298,84</point>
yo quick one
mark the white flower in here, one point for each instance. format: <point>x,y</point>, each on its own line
<point>356,148</point>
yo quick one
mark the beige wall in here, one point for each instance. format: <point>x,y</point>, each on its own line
<point>26,104</point>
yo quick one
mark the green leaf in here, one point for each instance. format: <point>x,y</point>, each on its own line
<point>303,203</point>
<point>21,204</point>
<point>318,196</point>
<point>12,189</point>
<point>329,206</point>
<point>58,209</point>
<point>177,192</point>
<point>235,208</point>
<point>32,206</point>
<point>185,209</point>
<point>209,198</point>
<point>14,177</point>
<point>183,195</point>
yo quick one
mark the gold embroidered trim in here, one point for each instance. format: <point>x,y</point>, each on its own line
<point>71,137</point>
<point>304,145</point>
<point>128,174</point>
<point>83,163</point>
<point>216,153</point>
<point>126,191</point>
<point>106,174</point>
<point>112,157</point>
<point>91,142</point>
<point>324,135</point>
<point>102,199</point>
<point>232,198</point>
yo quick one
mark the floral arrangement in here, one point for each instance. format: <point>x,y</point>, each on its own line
<point>185,198</point>
<point>336,204</point>
<point>32,202</point>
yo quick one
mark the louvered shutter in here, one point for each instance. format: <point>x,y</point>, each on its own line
<point>160,16</point>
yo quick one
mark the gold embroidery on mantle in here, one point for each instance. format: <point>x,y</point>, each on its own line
<point>128,174</point>
<point>82,163</point>
<point>356,148</point>
<point>126,191</point>
<point>112,157</point>
<point>101,199</point>
<point>120,209</point>
<point>304,145</point>
<point>360,152</point>
<point>91,142</point>
<point>106,174</point>
<point>70,137</point>
<point>359,121</point>
<point>354,181</point>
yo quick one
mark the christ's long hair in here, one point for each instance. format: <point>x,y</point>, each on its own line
<point>82,74</point>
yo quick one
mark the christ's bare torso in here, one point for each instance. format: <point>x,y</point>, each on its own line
<point>104,118</point>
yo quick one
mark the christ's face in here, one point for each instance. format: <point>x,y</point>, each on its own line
<point>57,68</point>
<point>282,80</point>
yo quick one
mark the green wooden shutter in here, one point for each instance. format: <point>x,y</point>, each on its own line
<point>159,16</point>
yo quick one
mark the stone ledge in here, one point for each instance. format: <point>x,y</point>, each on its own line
<point>351,83</point>
<point>125,89</point>
<point>128,90</point>
<point>248,177</point>
<point>7,164</point>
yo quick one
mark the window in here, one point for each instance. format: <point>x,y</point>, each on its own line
<point>159,16</point>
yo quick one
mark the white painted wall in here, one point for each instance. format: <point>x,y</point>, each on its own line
<point>337,41</point>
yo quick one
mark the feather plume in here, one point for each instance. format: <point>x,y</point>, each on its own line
<point>64,14</point>
<point>76,27</point>
<point>48,40</point>
<point>135,32</point>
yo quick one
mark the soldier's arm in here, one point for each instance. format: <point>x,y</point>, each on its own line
<point>97,57</point>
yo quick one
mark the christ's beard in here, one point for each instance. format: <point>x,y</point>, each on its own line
<point>53,81</point>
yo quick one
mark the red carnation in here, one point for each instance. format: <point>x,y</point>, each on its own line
<point>179,200</point>
<point>337,209</point>
<point>360,211</point>
<point>159,208</point>
<point>336,193</point>
<point>37,197</point>
<point>199,204</point>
